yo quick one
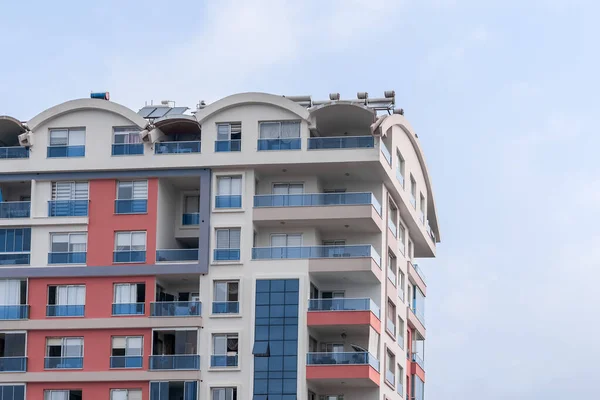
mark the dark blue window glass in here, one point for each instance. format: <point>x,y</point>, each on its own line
<point>261,349</point>
<point>290,363</point>
<point>290,347</point>
<point>276,332</point>
<point>262,286</point>
<point>277,298</point>
<point>260,364</point>
<point>291,310</point>
<point>262,299</point>
<point>276,347</point>
<point>290,332</point>
<point>276,311</point>
<point>261,386</point>
<point>277,285</point>
<point>262,311</point>
<point>292,285</point>
<point>262,321</point>
<point>291,298</point>
<point>275,386</point>
<point>276,321</point>
<point>261,333</point>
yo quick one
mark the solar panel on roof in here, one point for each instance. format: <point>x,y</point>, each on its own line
<point>159,112</point>
<point>144,112</point>
<point>177,111</point>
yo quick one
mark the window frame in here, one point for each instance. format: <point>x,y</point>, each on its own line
<point>69,243</point>
<point>228,335</point>
<point>133,184</point>
<point>126,348</point>
<point>280,123</point>
<point>69,131</point>
<point>66,286</point>
<point>228,237</point>
<point>220,178</point>
<point>63,345</point>
<point>230,130</point>
<point>116,247</point>
<point>227,283</point>
<point>234,395</point>
<point>126,131</point>
<point>72,190</point>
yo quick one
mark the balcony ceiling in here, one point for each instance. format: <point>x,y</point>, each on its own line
<point>340,118</point>
<point>10,129</point>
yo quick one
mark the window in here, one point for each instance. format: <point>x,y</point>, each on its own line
<point>68,242</point>
<point>130,241</point>
<point>413,191</point>
<point>13,292</point>
<point>286,240</point>
<point>168,390</point>
<point>400,168</point>
<point>228,238</point>
<point>226,297</point>
<point>401,333</point>
<point>126,135</point>
<point>127,346</point>
<point>288,188</point>
<point>12,392</point>
<point>128,293</point>
<point>390,368</point>
<point>410,250</point>
<point>11,345</point>
<point>332,397</point>
<point>67,137</point>
<point>192,204</point>
<point>392,267</point>
<point>132,190</point>
<point>70,191</point>
<point>15,240</point>
<point>400,387</point>
<point>62,395</point>
<point>229,192</point>
<point>401,238</point>
<point>279,130</point>
<point>422,208</point>
<point>418,389</point>
<point>64,347</point>
<point>332,347</point>
<point>125,394</point>
<point>224,393</point>
<point>400,285</point>
<point>67,295</point>
<point>392,218</point>
<point>391,318</point>
<point>229,131</point>
<point>225,350</point>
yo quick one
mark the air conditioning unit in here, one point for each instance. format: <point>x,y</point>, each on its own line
<point>25,139</point>
<point>145,136</point>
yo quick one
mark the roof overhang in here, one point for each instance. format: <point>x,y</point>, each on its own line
<point>10,129</point>
<point>342,116</point>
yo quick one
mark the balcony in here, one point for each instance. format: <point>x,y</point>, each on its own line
<point>14,312</point>
<point>65,311</point>
<point>175,309</point>
<point>126,361</point>
<point>225,307</point>
<point>341,142</point>
<point>177,255</point>
<point>227,145</point>
<point>13,364</point>
<point>226,255</point>
<point>344,304</point>
<point>343,312</point>
<point>386,153</point>
<point>63,363</point>
<point>317,199</point>
<point>127,149</point>
<point>416,358</point>
<point>356,369</point>
<point>177,147</point>
<point>309,252</point>
<point>67,257</point>
<point>15,209</point>
<point>354,358</point>
<point>416,322</point>
<point>14,152</point>
<point>190,219</point>
<point>419,271</point>
<point>128,309</point>
<point>68,208</point>
<point>14,258</point>
<point>65,151</point>
<point>129,256</point>
<point>131,206</point>
<point>175,362</point>
<point>228,201</point>
<point>279,144</point>
<point>223,361</point>
<point>417,277</point>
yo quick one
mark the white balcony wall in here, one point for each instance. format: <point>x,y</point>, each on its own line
<point>40,241</point>
<point>167,215</point>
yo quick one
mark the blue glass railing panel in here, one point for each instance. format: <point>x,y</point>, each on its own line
<point>400,389</point>
<point>390,326</point>
<point>131,206</point>
<point>417,358</point>
<point>128,309</point>
<point>14,312</point>
<point>279,144</point>
<point>178,361</point>
<point>390,378</point>
<point>354,358</point>
<point>13,364</point>
<point>225,307</point>
<point>386,153</point>
<point>227,145</point>
<point>14,258</point>
<point>420,314</point>
<point>65,311</point>
<point>65,151</point>
<point>341,142</point>
<point>316,199</point>
<point>129,256</point>
<point>67,257</point>
<point>350,251</point>
<point>228,201</point>
<point>190,219</point>
<point>177,147</point>
<point>419,272</point>
<point>344,304</point>
<point>226,254</point>
<point>223,361</point>
<point>127,149</point>
<point>68,208</point>
<point>15,209</point>
<point>400,177</point>
<point>14,152</point>
<point>175,309</point>
<point>174,255</point>
<point>63,362</point>
<point>126,361</point>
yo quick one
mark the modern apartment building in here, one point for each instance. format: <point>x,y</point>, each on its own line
<point>260,247</point>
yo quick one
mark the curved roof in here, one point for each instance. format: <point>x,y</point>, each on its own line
<point>10,128</point>
<point>252,98</point>
<point>86,104</point>
<point>397,119</point>
<point>341,115</point>
<point>177,124</point>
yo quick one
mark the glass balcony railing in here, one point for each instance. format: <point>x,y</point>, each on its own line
<point>420,314</point>
<point>14,258</point>
<point>14,152</point>
<point>63,362</point>
<point>175,361</point>
<point>400,389</point>
<point>390,378</point>
<point>126,361</point>
<point>68,208</point>
<point>390,326</point>
<point>175,309</point>
<point>14,312</point>
<point>316,199</point>
<point>355,358</point>
<point>400,340</point>
<point>78,257</point>
<point>392,227</point>
<point>349,251</point>
<point>400,177</point>
<point>227,145</point>
<point>129,256</point>
<point>386,153</point>
<point>127,149</point>
<point>417,359</point>
<point>341,142</point>
<point>419,272</point>
<point>65,311</point>
<point>391,276</point>
<point>128,309</point>
<point>65,151</point>
<point>226,254</point>
<point>15,209</point>
<point>413,201</point>
<point>226,307</point>
<point>13,364</point>
<point>400,293</point>
<point>177,147</point>
<point>344,304</point>
<point>279,144</point>
<point>190,219</point>
<point>176,255</point>
<point>139,206</point>
<point>228,201</point>
<point>223,361</point>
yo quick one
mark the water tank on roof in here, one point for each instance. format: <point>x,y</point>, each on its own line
<point>100,95</point>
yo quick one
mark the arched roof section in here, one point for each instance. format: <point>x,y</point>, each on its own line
<point>252,98</point>
<point>86,104</point>
<point>399,120</point>
<point>342,115</point>
<point>177,124</point>
<point>10,129</point>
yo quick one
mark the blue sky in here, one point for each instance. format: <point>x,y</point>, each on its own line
<point>503,96</point>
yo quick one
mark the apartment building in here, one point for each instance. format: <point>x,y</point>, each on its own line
<point>259,247</point>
